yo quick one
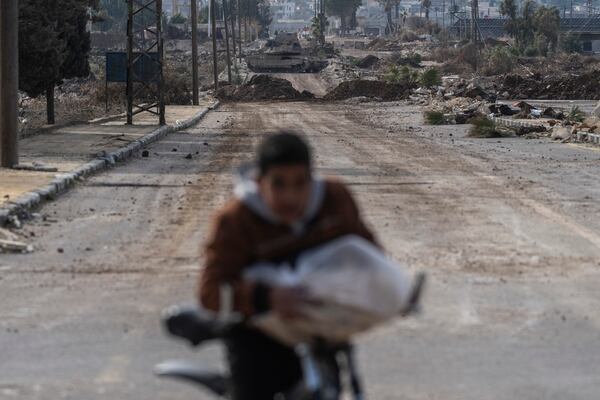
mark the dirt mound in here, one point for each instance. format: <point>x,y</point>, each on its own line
<point>383,44</point>
<point>371,89</point>
<point>585,86</point>
<point>368,61</point>
<point>263,87</point>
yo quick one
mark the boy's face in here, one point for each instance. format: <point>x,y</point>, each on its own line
<point>286,190</point>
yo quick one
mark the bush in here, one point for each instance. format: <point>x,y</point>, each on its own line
<point>465,55</point>
<point>497,61</point>
<point>411,59</point>
<point>443,54</point>
<point>570,44</point>
<point>530,52</point>
<point>434,118</point>
<point>408,36</point>
<point>482,127</point>
<point>575,115</point>
<point>178,19</point>
<point>541,44</point>
<point>402,75</point>
<point>469,54</point>
<point>430,78</point>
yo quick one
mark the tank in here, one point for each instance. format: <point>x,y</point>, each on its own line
<point>284,54</point>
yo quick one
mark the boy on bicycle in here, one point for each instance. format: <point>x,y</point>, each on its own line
<point>280,209</point>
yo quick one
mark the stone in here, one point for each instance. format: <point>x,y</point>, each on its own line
<point>596,111</point>
<point>561,132</point>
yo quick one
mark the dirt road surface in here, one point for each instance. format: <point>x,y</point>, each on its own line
<point>507,229</point>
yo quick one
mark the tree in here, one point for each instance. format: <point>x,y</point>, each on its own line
<point>259,12</point>
<point>53,45</point>
<point>525,27</point>
<point>41,50</point>
<point>388,6</point>
<point>344,9</point>
<point>508,9</point>
<point>317,28</point>
<point>178,19</point>
<point>547,27</point>
<point>112,15</point>
<point>569,43</point>
<point>426,4</point>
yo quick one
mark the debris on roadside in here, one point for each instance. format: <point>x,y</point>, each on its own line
<point>263,87</point>
<point>368,61</point>
<point>561,132</point>
<point>596,111</point>
<point>582,86</point>
<point>371,89</point>
<point>531,131</point>
<point>503,110</point>
<point>11,243</point>
<point>459,111</point>
<point>36,166</point>
<point>485,128</point>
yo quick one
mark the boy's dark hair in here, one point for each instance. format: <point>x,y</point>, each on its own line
<point>283,148</point>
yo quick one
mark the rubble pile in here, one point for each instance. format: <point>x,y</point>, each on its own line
<point>262,87</point>
<point>459,110</point>
<point>464,89</point>
<point>584,86</point>
<point>368,61</point>
<point>371,89</point>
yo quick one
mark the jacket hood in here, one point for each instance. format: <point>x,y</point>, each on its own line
<point>246,190</point>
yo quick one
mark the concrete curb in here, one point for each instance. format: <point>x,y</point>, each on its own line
<point>62,182</point>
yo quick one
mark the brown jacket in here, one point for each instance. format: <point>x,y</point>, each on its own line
<point>240,237</point>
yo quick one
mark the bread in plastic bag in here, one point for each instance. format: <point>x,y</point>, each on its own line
<point>352,284</point>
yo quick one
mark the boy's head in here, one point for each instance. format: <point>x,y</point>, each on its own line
<point>284,180</point>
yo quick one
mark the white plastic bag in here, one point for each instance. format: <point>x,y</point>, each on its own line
<point>355,284</point>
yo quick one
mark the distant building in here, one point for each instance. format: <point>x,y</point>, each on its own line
<point>585,29</point>
<point>183,7</point>
<point>291,15</point>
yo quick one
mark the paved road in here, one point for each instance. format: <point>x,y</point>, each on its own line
<point>508,232</point>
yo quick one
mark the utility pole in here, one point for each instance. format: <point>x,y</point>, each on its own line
<point>322,21</point>
<point>239,20</point>
<point>474,17</point>
<point>194,11</point>
<point>246,20</point>
<point>213,21</point>
<point>571,15</point>
<point>444,15</point>
<point>9,82</point>
<point>231,14</point>
<point>227,41</point>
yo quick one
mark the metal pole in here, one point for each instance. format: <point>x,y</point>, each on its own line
<point>571,15</point>
<point>195,94</point>
<point>246,20</point>
<point>161,58</point>
<point>443,14</point>
<point>213,21</point>
<point>239,18</point>
<point>9,82</point>
<point>227,41</point>
<point>130,63</point>
<point>231,14</point>
<point>474,17</point>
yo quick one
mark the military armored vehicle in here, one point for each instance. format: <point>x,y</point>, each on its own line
<point>284,54</point>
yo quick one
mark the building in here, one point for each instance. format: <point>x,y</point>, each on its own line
<point>585,29</point>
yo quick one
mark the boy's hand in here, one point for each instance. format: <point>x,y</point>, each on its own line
<point>287,301</point>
